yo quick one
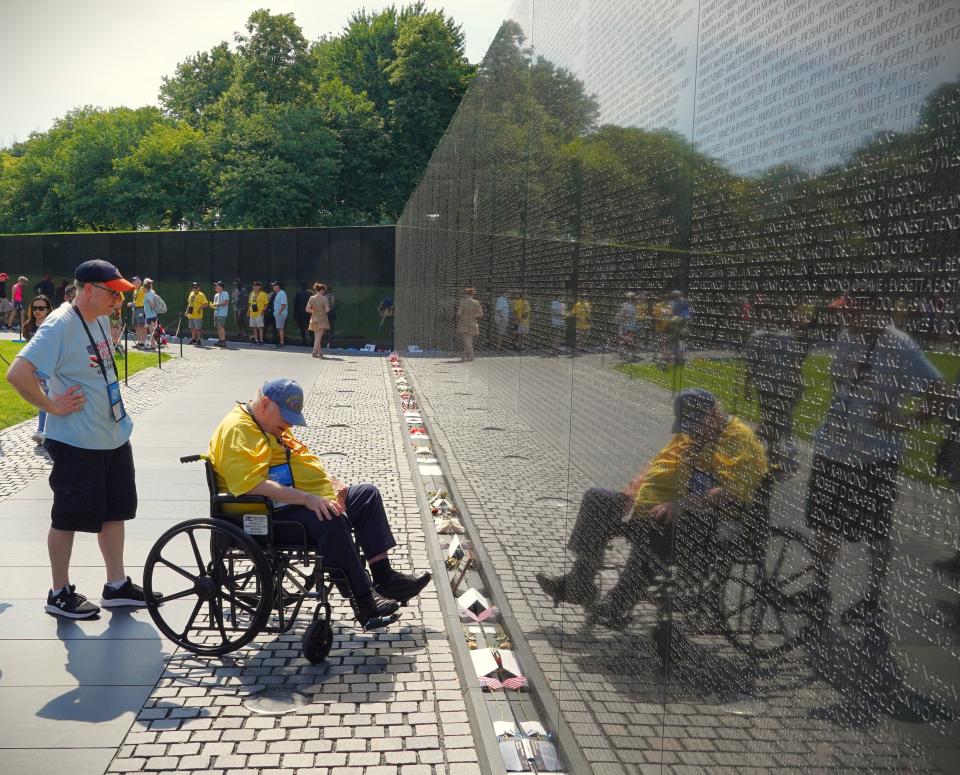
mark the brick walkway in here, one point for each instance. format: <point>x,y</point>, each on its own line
<point>385,703</point>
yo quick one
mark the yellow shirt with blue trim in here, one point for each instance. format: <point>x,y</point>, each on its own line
<point>138,297</point>
<point>735,461</point>
<point>242,456</point>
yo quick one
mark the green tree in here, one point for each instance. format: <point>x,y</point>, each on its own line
<point>273,57</point>
<point>198,83</point>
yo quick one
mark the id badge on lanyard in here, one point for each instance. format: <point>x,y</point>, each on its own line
<point>116,401</point>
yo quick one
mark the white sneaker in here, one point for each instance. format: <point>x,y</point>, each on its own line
<point>38,438</point>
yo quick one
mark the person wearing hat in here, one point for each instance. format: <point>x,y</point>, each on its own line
<point>713,464</point>
<point>138,312</point>
<point>18,314</point>
<point>196,303</point>
<point>87,436</point>
<point>253,452</point>
<point>221,306</point>
<point>256,308</point>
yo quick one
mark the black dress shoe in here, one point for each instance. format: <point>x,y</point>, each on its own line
<point>567,589</point>
<point>402,587</point>
<point>373,612</point>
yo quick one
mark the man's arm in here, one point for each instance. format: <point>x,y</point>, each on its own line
<point>323,508</point>
<point>22,375</point>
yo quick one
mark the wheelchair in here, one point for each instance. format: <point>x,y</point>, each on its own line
<point>742,580</point>
<point>239,581</point>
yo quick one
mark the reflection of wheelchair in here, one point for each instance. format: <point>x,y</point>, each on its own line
<point>742,580</point>
<point>238,581</point>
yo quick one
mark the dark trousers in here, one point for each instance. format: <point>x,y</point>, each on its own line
<point>306,335</point>
<point>364,524</point>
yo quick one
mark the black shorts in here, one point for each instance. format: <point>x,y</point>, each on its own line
<point>853,502</point>
<point>91,486</point>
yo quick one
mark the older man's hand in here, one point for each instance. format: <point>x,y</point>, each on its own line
<point>323,508</point>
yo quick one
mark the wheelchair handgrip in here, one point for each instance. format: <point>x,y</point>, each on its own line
<point>191,458</point>
<point>241,499</point>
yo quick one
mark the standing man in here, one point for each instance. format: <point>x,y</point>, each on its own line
<point>301,316</point>
<point>501,320</point>
<point>196,302</point>
<point>88,431</point>
<point>279,311</point>
<point>332,314</point>
<point>240,307</point>
<point>221,305</point>
<point>137,312</point>
<point>45,287</point>
<point>256,307</point>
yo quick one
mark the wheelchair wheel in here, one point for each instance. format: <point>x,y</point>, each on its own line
<point>227,586</point>
<point>317,641</point>
<point>754,602</point>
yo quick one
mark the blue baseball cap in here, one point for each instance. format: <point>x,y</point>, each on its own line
<point>690,410</point>
<point>288,396</point>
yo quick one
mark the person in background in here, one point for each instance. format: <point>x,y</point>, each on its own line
<point>150,312</point>
<point>196,303</point>
<point>269,320</point>
<point>680,318</point>
<point>45,287</point>
<point>385,310</point>
<point>18,314</point>
<point>521,313</point>
<point>40,307</point>
<point>469,313</point>
<point>332,314</point>
<point>241,308</point>
<point>318,309</point>
<point>300,315</point>
<point>581,315</point>
<point>280,310</point>
<point>558,311</point>
<point>501,321</point>
<point>69,294</point>
<point>6,306</point>
<point>221,306</point>
<point>138,313</point>
<point>256,307</point>
<point>116,324</point>
<point>59,293</point>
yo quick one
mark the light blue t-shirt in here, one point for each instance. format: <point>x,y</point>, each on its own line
<point>149,305</point>
<point>61,350</point>
<point>279,302</point>
<point>221,303</point>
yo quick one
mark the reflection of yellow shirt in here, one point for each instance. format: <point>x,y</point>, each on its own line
<point>196,302</point>
<point>662,314</point>
<point>582,311</point>
<point>242,456</point>
<point>521,311</point>
<point>736,462</point>
<point>261,300</point>
<point>138,297</point>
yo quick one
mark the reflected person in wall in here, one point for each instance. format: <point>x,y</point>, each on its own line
<point>876,369</point>
<point>469,312</point>
<point>709,470</point>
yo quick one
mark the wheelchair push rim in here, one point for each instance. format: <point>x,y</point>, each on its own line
<point>755,604</point>
<point>226,585</point>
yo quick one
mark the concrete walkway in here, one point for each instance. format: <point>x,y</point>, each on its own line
<point>112,695</point>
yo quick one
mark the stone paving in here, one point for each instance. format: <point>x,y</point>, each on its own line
<point>385,703</point>
<point>524,437</point>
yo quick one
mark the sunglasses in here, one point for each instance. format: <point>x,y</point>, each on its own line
<point>39,309</point>
<point>116,294</point>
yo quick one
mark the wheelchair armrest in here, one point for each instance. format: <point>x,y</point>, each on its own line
<point>227,498</point>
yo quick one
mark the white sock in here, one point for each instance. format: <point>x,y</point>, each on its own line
<point>115,585</point>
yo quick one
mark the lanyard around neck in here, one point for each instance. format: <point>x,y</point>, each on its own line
<point>96,350</point>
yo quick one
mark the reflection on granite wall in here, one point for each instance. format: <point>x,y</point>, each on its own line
<point>707,427</point>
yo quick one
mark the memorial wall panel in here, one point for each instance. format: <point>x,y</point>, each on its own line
<point>709,424</point>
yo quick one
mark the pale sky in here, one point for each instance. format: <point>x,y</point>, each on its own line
<point>59,54</point>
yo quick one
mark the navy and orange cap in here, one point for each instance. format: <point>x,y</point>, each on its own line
<point>104,273</point>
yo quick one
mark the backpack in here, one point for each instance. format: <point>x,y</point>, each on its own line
<point>159,304</point>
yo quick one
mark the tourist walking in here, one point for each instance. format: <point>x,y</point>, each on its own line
<point>319,322</point>
<point>18,314</point>
<point>469,312</point>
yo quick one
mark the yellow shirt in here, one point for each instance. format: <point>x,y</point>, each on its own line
<point>138,296</point>
<point>662,313</point>
<point>196,302</point>
<point>582,311</point>
<point>736,462</point>
<point>242,456</point>
<point>521,311</point>
<point>260,299</point>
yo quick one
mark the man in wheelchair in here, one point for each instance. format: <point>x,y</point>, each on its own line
<point>707,474</point>
<point>253,452</point>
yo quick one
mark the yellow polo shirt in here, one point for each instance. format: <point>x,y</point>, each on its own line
<point>196,301</point>
<point>582,311</point>
<point>736,461</point>
<point>261,300</point>
<point>242,457</point>
<point>138,297</point>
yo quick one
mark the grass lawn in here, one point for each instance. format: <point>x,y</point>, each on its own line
<point>725,379</point>
<point>14,409</point>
